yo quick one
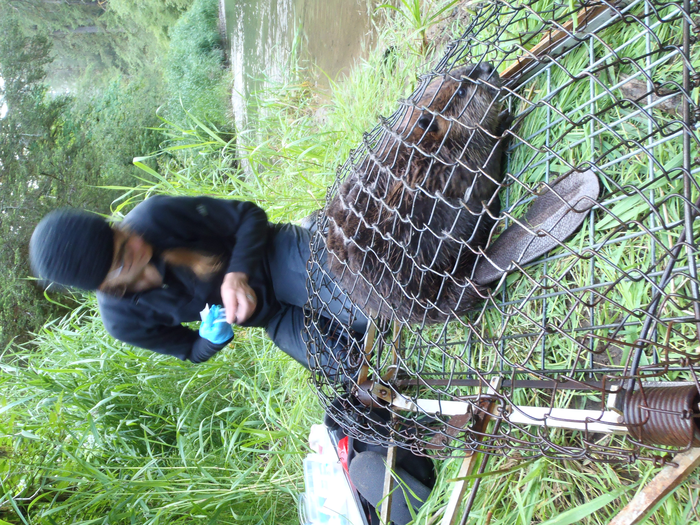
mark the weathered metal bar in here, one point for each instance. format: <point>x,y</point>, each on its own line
<point>605,421</point>
<point>546,384</point>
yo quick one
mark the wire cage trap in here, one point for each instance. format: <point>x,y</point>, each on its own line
<point>522,232</point>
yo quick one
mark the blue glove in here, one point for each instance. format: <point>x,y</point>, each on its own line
<point>214,327</point>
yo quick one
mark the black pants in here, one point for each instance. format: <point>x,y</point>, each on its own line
<point>288,258</point>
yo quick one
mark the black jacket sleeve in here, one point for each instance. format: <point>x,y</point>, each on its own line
<point>206,223</point>
<point>124,320</point>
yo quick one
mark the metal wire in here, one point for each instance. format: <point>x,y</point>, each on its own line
<point>594,340</point>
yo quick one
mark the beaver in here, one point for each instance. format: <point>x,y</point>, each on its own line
<point>405,227</point>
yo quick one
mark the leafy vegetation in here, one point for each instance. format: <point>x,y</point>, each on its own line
<point>77,148</point>
<point>93,431</point>
<point>422,15</point>
<point>57,151</point>
<point>95,39</point>
<point>195,77</point>
<point>101,433</point>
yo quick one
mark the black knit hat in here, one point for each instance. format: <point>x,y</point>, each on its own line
<point>72,248</point>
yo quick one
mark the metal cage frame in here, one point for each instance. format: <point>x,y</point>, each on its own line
<point>592,350</point>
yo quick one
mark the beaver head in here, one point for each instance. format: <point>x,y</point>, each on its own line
<point>455,108</point>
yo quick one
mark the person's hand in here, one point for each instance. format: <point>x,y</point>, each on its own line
<point>214,327</point>
<point>239,299</point>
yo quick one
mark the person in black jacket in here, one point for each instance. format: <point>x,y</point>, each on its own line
<point>172,256</point>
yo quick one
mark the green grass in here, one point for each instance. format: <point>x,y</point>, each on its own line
<point>421,15</point>
<point>195,77</point>
<point>93,431</point>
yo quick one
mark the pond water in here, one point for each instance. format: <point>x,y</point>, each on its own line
<point>333,35</point>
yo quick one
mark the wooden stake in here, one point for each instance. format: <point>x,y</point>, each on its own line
<point>557,41</point>
<point>468,465</point>
<point>385,513</point>
<point>658,488</point>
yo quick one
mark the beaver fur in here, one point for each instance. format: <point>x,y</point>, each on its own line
<point>406,225</point>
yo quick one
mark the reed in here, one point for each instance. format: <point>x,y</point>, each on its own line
<point>96,432</point>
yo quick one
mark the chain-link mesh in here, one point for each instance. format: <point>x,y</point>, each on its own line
<point>589,351</point>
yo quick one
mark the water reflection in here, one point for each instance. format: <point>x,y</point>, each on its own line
<point>261,32</point>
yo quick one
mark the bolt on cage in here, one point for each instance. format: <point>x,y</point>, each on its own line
<point>590,351</point>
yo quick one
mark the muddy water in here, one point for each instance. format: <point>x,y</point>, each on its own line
<point>332,34</point>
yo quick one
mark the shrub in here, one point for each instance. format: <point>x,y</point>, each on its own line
<point>195,77</point>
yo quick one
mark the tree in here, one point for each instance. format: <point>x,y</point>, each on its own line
<point>194,72</point>
<point>57,151</point>
<point>30,120</point>
<point>153,16</point>
<point>98,38</point>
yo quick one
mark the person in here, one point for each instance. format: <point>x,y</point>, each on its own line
<point>171,257</point>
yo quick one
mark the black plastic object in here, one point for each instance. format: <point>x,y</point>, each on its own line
<point>367,474</point>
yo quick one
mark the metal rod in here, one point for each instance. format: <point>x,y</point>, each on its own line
<point>469,462</point>
<point>687,183</point>
<point>544,384</point>
<point>605,421</point>
<point>477,483</point>
<point>651,310</point>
